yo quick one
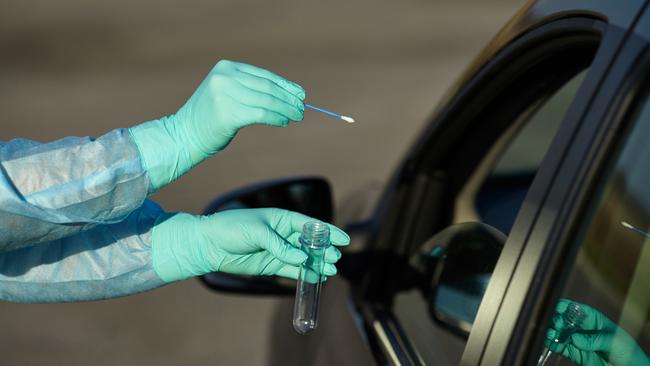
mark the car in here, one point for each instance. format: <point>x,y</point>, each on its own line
<point>531,184</point>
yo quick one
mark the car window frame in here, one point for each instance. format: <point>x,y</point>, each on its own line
<point>570,183</point>
<point>528,43</point>
<point>408,187</point>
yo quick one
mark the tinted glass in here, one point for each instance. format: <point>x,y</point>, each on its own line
<point>503,191</point>
<point>496,201</point>
<point>603,316</point>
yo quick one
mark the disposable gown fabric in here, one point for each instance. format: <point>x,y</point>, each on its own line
<point>72,221</point>
<point>53,190</point>
<point>104,262</point>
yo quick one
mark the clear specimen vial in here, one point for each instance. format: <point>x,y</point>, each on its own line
<point>573,317</point>
<point>315,238</point>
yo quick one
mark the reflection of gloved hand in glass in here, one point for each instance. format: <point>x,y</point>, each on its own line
<point>232,96</point>
<point>596,341</point>
<point>248,241</point>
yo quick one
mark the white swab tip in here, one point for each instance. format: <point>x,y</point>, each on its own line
<point>627,225</point>
<point>347,119</point>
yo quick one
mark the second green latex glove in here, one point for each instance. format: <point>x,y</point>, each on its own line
<point>598,342</point>
<point>248,242</point>
<point>232,96</point>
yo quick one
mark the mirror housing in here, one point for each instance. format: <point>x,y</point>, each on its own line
<point>455,267</point>
<point>311,196</point>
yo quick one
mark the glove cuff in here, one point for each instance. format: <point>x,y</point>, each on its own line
<point>178,248</point>
<point>164,238</point>
<point>163,157</point>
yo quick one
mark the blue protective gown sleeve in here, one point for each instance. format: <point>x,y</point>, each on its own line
<point>55,190</point>
<point>73,225</point>
<point>103,262</point>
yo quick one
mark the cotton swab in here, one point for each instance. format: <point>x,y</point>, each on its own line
<point>345,118</point>
<point>635,229</point>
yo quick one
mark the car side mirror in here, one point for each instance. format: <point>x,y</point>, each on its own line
<point>311,196</point>
<point>455,266</point>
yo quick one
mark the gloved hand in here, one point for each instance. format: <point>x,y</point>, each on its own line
<point>246,241</point>
<point>232,96</point>
<point>598,341</point>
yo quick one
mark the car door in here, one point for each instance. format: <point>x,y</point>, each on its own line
<point>529,87</point>
<point>588,242</point>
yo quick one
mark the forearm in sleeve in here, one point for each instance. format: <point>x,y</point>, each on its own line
<point>103,262</point>
<point>54,190</point>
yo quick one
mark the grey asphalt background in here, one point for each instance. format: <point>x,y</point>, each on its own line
<point>73,67</point>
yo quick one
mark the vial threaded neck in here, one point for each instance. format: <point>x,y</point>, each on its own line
<point>315,234</point>
<point>574,315</point>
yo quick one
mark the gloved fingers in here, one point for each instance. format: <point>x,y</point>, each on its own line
<point>254,98</point>
<point>282,250</point>
<point>332,255</point>
<point>562,348</point>
<point>262,116</point>
<point>288,271</point>
<point>329,270</point>
<point>594,319</point>
<point>293,273</point>
<point>290,86</point>
<point>562,305</point>
<point>338,237</point>
<point>293,239</point>
<point>551,335</point>
<point>577,355</point>
<point>556,347</point>
<point>289,222</point>
<point>269,87</point>
<point>558,322</point>
<point>592,342</point>
<point>552,342</point>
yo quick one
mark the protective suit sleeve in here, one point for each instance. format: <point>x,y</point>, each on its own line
<point>53,190</point>
<point>103,262</point>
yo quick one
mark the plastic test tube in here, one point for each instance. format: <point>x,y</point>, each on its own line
<point>573,317</point>
<point>315,238</point>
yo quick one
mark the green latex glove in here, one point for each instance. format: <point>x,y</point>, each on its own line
<point>232,96</point>
<point>247,241</point>
<point>598,341</point>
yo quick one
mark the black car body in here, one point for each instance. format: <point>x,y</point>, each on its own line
<point>526,142</point>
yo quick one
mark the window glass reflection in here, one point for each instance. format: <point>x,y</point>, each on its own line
<point>609,283</point>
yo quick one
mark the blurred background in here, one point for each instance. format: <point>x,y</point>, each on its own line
<point>73,67</point>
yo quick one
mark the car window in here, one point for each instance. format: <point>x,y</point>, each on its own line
<point>603,315</point>
<point>493,195</point>
<point>496,191</point>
